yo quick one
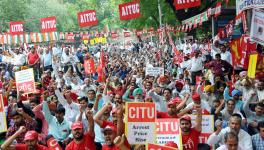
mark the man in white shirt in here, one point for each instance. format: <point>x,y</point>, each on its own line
<point>19,58</point>
<point>231,142</point>
<point>196,67</point>
<point>225,55</point>
<point>234,125</point>
<point>47,60</point>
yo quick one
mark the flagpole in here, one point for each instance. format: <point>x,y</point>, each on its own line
<point>160,13</point>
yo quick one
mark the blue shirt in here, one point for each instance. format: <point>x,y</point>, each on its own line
<point>257,142</point>
<point>60,131</point>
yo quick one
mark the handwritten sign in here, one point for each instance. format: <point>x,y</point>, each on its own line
<point>141,126</point>
<point>25,81</point>
<point>154,71</point>
<point>3,126</point>
<point>168,130</point>
<point>207,127</point>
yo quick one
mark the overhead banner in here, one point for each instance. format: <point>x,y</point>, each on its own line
<point>25,81</point>
<point>16,28</point>
<point>140,124</point>
<point>257,26</point>
<point>128,11</point>
<point>126,34</point>
<point>200,18</point>
<point>168,130</point>
<point>3,125</point>
<point>184,4</point>
<point>87,18</point>
<point>48,24</point>
<point>248,4</point>
<point>207,127</point>
<point>159,147</point>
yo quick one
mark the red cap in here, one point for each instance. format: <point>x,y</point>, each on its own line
<point>31,135</point>
<point>196,97</point>
<point>77,125</point>
<point>179,84</point>
<point>174,101</point>
<point>171,144</point>
<point>162,78</point>
<point>186,117</point>
<point>111,128</point>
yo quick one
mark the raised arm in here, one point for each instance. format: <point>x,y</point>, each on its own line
<point>198,126</point>
<point>183,103</point>
<point>7,144</point>
<point>89,116</point>
<point>99,114</point>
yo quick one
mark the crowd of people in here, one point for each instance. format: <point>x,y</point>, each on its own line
<point>75,111</point>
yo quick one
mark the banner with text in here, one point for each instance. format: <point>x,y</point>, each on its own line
<point>154,71</point>
<point>48,24</point>
<point>25,81</point>
<point>257,26</point>
<point>141,125</point>
<point>16,28</point>
<point>168,130</point>
<point>3,125</point>
<point>207,127</point>
<point>159,147</point>
<point>184,4</point>
<point>87,18</point>
<point>248,4</point>
<point>89,66</point>
<point>128,11</point>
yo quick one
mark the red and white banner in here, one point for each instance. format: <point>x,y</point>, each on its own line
<point>89,66</point>
<point>126,34</point>
<point>69,37</point>
<point>139,33</point>
<point>168,130</point>
<point>183,4</point>
<point>25,81</point>
<point>218,8</point>
<point>114,35</point>
<point>87,18</point>
<point>48,24</point>
<point>16,28</point>
<point>141,125</point>
<point>128,11</point>
<point>3,125</point>
<point>159,147</point>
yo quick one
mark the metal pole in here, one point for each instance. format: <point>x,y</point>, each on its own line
<point>213,27</point>
<point>160,13</point>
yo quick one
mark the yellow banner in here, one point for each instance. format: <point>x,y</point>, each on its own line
<point>104,40</point>
<point>92,42</point>
<point>96,40</point>
<point>252,65</point>
<point>85,41</point>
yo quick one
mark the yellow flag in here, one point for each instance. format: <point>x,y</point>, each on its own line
<point>252,65</point>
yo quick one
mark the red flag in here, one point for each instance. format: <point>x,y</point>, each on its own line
<point>89,67</point>
<point>101,67</point>
<point>130,10</point>
<point>236,52</point>
<point>244,20</point>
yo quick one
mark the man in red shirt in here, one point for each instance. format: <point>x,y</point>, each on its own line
<point>190,136</point>
<point>31,141</point>
<point>83,141</point>
<point>34,61</point>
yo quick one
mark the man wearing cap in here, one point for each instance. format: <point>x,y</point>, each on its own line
<point>82,140</point>
<point>174,106</point>
<point>235,96</point>
<point>190,136</point>
<point>30,139</point>
<point>197,102</point>
<point>244,139</point>
<point>20,118</point>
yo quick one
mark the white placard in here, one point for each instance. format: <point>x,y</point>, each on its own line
<point>248,4</point>
<point>25,81</point>
<point>154,71</point>
<point>257,26</point>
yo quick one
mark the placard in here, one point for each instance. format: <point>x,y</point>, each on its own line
<point>141,125</point>
<point>25,81</point>
<point>257,26</point>
<point>128,11</point>
<point>48,24</point>
<point>89,66</point>
<point>253,58</point>
<point>159,147</point>
<point>168,130</point>
<point>3,125</point>
<point>16,28</point>
<point>184,4</point>
<point>154,71</point>
<point>207,127</point>
<point>248,4</point>
<point>87,18</point>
